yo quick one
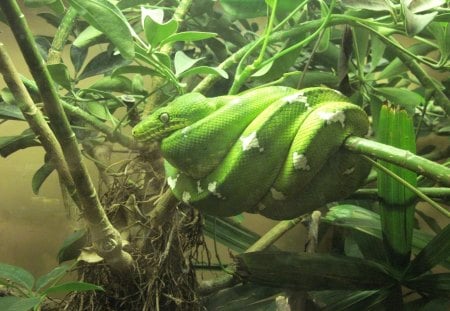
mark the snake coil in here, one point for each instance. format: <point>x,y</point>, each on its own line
<point>274,150</point>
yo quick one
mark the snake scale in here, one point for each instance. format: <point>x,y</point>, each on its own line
<point>273,150</point>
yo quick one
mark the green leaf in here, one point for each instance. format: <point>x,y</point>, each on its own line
<point>415,23</point>
<point>182,62</point>
<point>188,36</point>
<point>41,175</point>
<point>60,75</point>
<point>436,251</point>
<point>154,27</point>
<point>98,110</point>
<point>107,18</point>
<point>10,112</point>
<point>52,276</point>
<point>18,303</point>
<point>334,300</point>
<point>424,5</point>
<point>89,36</point>
<point>72,245</point>
<point>73,287</point>
<point>11,144</point>
<point>405,98</point>
<point>249,297</point>
<point>377,49</point>
<point>16,275</point>
<point>306,271</point>
<point>396,67</point>
<point>77,56</point>
<point>229,233</point>
<point>395,128</point>
<point>243,9</point>
<point>204,70</point>
<point>433,284</point>
<point>372,5</point>
<point>112,84</point>
<point>136,69</point>
<point>102,63</point>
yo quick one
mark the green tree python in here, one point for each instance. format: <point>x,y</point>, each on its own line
<point>273,150</point>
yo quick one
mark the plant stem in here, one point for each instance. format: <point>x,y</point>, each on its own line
<point>400,157</point>
<point>210,286</point>
<point>106,238</point>
<point>61,35</point>
<point>35,119</point>
<point>434,192</point>
<point>409,186</point>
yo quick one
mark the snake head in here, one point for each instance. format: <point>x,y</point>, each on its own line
<point>178,114</point>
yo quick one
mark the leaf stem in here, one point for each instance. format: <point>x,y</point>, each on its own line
<point>400,157</point>
<point>420,194</point>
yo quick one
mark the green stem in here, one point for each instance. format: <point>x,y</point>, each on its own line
<point>35,119</point>
<point>179,14</point>
<point>420,194</point>
<point>434,192</point>
<point>399,157</point>
<point>61,35</point>
<point>107,239</point>
<point>210,286</point>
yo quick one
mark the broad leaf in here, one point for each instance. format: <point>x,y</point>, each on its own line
<point>249,297</point>
<point>436,251</point>
<point>72,245</point>
<point>415,23</point>
<point>18,303</point>
<point>154,27</point>
<point>424,5</point>
<point>433,284</point>
<point>11,144</point>
<point>77,56</point>
<point>16,275</point>
<point>102,63</point>
<point>52,276</point>
<point>206,70</point>
<point>41,175</point>
<point>373,5</point>
<point>242,9</point>
<point>10,112</point>
<point>60,75</point>
<point>229,233</point>
<point>182,62</point>
<point>188,36</point>
<point>89,36</point>
<point>304,271</point>
<point>107,18</point>
<point>405,98</point>
<point>112,84</point>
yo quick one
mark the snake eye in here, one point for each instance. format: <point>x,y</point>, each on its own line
<point>164,117</point>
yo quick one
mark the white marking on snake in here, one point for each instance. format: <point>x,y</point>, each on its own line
<point>199,188</point>
<point>250,142</point>
<point>349,171</point>
<point>235,101</point>
<point>186,197</point>
<point>212,187</point>
<point>277,195</point>
<point>296,98</point>
<point>300,161</point>
<point>172,182</point>
<point>329,117</point>
<point>185,131</point>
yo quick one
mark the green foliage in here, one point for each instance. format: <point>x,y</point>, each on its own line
<point>24,292</point>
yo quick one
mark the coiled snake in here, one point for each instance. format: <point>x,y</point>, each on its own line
<point>272,150</point>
